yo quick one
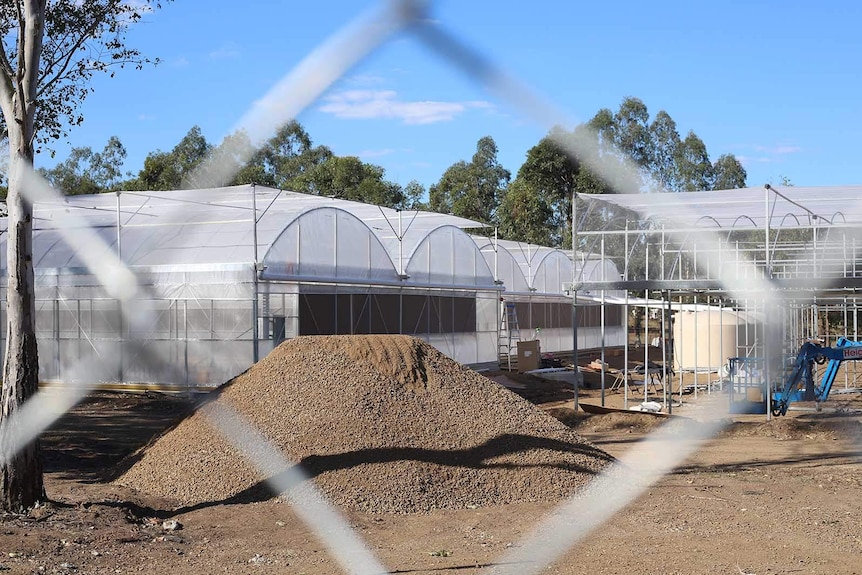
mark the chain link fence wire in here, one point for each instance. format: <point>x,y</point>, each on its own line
<point>557,534</point>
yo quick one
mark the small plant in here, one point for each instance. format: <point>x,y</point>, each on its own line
<point>441,553</point>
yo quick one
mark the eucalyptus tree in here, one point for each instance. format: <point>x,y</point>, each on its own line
<point>51,51</point>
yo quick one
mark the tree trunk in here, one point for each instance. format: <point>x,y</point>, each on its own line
<point>21,483</point>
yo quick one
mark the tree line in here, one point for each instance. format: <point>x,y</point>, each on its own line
<point>534,206</point>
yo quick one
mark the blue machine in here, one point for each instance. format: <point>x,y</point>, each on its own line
<point>800,385</point>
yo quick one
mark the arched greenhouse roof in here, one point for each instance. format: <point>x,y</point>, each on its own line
<point>448,256</point>
<point>545,269</point>
<point>509,273</point>
<point>335,240</point>
<point>551,272</point>
<point>297,237</point>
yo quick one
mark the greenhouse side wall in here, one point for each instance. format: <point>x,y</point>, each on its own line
<point>549,319</point>
<point>462,324</point>
<point>199,332</point>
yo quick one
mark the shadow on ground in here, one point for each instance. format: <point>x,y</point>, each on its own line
<point>90,441</point>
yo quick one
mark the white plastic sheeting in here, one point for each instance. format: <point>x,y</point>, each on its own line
<point>508,272</point>
<point>747,208</point>
<point>229,272</point>
<point>328,244</point>
<point>218,226</point>
<point>447,256</point>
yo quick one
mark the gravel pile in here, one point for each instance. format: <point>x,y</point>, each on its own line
<point>383,424</point>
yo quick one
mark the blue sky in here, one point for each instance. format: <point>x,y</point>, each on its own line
<point>775,82</point>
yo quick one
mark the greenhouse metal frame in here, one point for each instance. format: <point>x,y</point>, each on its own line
<point>786,260</point>
<point>229,273</point>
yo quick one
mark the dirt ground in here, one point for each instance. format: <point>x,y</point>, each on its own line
<point>761,498</point>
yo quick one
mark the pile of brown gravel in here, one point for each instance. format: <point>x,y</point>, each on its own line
<point>383,424</point>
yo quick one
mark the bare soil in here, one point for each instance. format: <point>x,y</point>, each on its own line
<point>762,498</point>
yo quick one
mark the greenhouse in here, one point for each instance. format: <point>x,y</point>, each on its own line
<point>747,275</point>
<point>229,273</point>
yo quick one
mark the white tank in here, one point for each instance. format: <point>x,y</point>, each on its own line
<point>706,339</point>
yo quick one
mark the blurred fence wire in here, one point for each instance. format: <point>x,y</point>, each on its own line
<point>573,520</point>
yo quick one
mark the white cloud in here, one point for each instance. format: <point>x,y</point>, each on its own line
<point>375,153</point>
<point>180,62</point>
<point>365,80</point>
<point>371,104</point>
<point>767,154</point>
<point>228,51</point>
<point>779,149</point>
<point>146,117</point>
<point>748,160</point>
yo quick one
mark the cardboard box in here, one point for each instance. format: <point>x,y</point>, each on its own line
<point>754,394</point>
<point>529,356</point>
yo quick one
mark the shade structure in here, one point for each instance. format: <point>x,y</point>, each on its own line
<point>747,208</point>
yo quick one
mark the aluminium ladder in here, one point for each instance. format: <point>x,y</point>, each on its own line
<point>509,334</point>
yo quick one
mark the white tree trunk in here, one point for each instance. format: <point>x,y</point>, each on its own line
<point>21,483</point>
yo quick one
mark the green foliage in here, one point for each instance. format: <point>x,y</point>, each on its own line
<point>80,39</point>
<point>172,170</point>
<point>665,145</point>
<point>693,166</point>
<point>349,178</point>
<point>288,160</point>
<point>631,131</point>
<point>551,174</point>
<point>86,172</point>
<point>472,190</point>
<point>287,156</point>
<point>524,214</point>
<point>666,162</point>
<point>414,196</point>
<point>728,173</point>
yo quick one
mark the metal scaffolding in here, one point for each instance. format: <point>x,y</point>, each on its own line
<point>782,263</point>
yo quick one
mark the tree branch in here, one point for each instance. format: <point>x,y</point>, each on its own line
<point>47,80</point>
<point>22,27</point>
<point>32,50</point>
<point>7,84</point>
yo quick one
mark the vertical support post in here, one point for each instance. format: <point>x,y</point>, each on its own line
<point>626,309</point>
<point>721,357</point>
<point>680,344</point>
<point>855,330</point>
<point>772,338</point>
<point>255,329</point>
<point>846,370</point>
<point>708,344</point>
<point>119,230</point>
<point>696,348</point>
<point>602,312</point>
<point>768,269</point>
<point>666,377</point>
<point>626,353</point>
<point>663,342</point>
<point>401,249</point>
<point>55,320</point>
<point>646,320</point>
<point>121,342</point>
<point>496,246</point>
<point>186,340</point>
<point>575,296</point>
